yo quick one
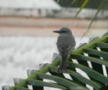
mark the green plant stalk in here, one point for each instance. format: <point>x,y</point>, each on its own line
<point>82,7</point>
<point>102,4</point>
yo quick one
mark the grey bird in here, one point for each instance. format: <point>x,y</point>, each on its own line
<point>65,44</point>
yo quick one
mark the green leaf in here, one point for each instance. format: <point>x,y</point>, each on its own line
<point>83,79</point>
<point>97,53</point>
<point>88,58</point>
<point>90,72</point>
<point>66,83</point>
<point>48,84</point>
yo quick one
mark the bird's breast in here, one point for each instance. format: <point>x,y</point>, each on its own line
<point>65,41</point>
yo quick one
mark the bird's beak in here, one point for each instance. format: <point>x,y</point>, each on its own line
<point>56,31</point>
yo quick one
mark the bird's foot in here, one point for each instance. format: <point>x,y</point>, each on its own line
<point>63,68</point>
<point>60,70</point>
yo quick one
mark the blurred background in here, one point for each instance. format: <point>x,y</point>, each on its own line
<point>26,31</point>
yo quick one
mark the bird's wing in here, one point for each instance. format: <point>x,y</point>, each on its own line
<point>65,45</point>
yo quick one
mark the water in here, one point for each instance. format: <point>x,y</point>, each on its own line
<point>17,54</point>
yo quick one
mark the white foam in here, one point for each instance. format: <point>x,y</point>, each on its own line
<point>17,54</point>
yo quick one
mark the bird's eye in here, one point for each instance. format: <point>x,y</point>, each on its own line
<point>63,31</point>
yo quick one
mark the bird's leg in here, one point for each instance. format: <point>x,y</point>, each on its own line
<point>63,66</point>
<point>60,68</point>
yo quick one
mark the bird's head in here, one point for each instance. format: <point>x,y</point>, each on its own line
<point>63,31</point>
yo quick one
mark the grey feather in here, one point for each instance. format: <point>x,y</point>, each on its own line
<point>65,44</point>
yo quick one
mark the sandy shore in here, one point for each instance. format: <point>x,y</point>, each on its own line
<point>44,26</point>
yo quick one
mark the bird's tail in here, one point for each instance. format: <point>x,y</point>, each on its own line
<point>63,64</point>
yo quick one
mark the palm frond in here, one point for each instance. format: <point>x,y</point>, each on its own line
<point>96,79</point>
